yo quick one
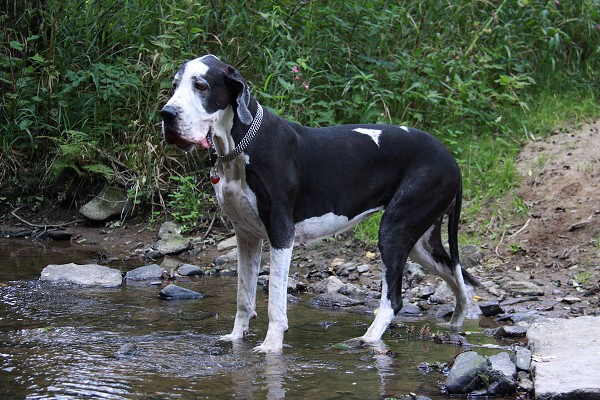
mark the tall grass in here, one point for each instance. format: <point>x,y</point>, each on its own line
<point>81,81</point>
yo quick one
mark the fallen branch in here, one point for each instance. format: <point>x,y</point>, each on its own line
<point>45,226</point>
<point>498,245</point>
<point>520,230</point>
<point>210,227</point>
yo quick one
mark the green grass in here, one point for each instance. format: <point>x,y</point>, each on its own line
<point>81,82</point>
<point>489,169</point>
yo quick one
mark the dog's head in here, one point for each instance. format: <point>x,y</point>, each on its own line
<point>204,90</point>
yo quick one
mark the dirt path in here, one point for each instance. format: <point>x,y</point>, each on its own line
<point>555,241</point>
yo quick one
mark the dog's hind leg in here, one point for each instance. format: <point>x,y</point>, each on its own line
<point>395,243</point>
<point>249,252</point>
<point>431,255</point>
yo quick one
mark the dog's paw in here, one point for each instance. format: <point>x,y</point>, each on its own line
<point>376,345</point>
<point>268,349</point>
<point>230,338</point>
<point>353,344</point>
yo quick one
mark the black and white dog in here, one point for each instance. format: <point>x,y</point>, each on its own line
<point>289,184</point>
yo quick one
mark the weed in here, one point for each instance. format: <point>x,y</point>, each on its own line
<point>81,82</point>
<point>186,203</point>
<point>583,277</point>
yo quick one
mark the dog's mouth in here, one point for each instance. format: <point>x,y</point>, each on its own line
<point>173,137</point>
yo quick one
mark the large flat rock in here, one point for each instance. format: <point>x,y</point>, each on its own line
<point>85,275</point>
<point>566,353</point>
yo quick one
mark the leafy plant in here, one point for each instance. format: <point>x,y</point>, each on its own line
<point>186,203</point>
<point>81,81</point>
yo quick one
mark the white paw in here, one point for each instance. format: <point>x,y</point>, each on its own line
<point>270,348</point>
<point>230,338</point>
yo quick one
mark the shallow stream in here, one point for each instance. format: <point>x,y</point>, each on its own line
<point>69,342</point>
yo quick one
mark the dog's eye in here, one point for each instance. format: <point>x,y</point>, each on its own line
<point>201,86</point>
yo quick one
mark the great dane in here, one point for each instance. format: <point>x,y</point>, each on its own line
<point>289,184</point>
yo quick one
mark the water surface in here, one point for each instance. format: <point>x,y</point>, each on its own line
<point>68,342</point>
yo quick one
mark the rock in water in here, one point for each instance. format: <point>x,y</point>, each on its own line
<point>86,274</point>
<point>502,375</point>
<point>464,377</point>
<point>174,292</point>
<point>152,271</point>
<point>111,202</point>
<point>189,269</point>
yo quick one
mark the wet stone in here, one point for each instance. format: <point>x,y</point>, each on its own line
<point>167,229</point>
<point>410,310</point>
<point>334,300</point>
<point>519,317</point>
<point>480,376</point>
<point>511,331</point>
<point>127,349</point>
<point>174,292</point>
<point>490,308</point>
<point>189,270</point>
<point>503,372</point>
<point>227,244</point>
<point>152,271</point>
<point>442,295</point>
<point>349,289</point>
<point>331,284</point>
<point>522,358</point>
<point>229,258</point>
<point>345,269</point>
<point>470,255</point>
<point>525,384</point>
<point>523,288</point>
<point>173,244</point>
<point>571,300</point>
<point>464,376</point>
<point>361,269</point>
<point>170,240</point>
<point>85,275</point>
<point>413,275</point>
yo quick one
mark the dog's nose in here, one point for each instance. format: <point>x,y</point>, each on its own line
<point>168,113</point>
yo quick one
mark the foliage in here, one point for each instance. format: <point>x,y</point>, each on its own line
<point>187,203</point>
<point>81,81</point>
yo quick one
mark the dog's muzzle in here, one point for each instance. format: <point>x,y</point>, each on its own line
<point>172,131</point>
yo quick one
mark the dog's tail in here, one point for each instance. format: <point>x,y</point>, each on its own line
<point>453,220</point>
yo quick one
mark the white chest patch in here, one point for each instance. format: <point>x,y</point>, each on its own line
<point>238,203</point>
<point>373,133</point>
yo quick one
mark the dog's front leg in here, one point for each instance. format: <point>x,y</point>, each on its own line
<point>278,281</point>
<point>249,251</point>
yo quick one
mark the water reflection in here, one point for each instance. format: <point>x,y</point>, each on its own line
<point>64,342</point>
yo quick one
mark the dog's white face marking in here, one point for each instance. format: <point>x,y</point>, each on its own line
<point>326,225</point>
<point>373,133</point>
<point>193,120</point>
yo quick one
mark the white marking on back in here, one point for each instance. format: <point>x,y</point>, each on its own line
<point>326,225</point>
<point>404,128</point>
<point>373,133</point>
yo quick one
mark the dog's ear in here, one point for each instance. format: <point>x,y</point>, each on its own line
<point>243,94</point>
